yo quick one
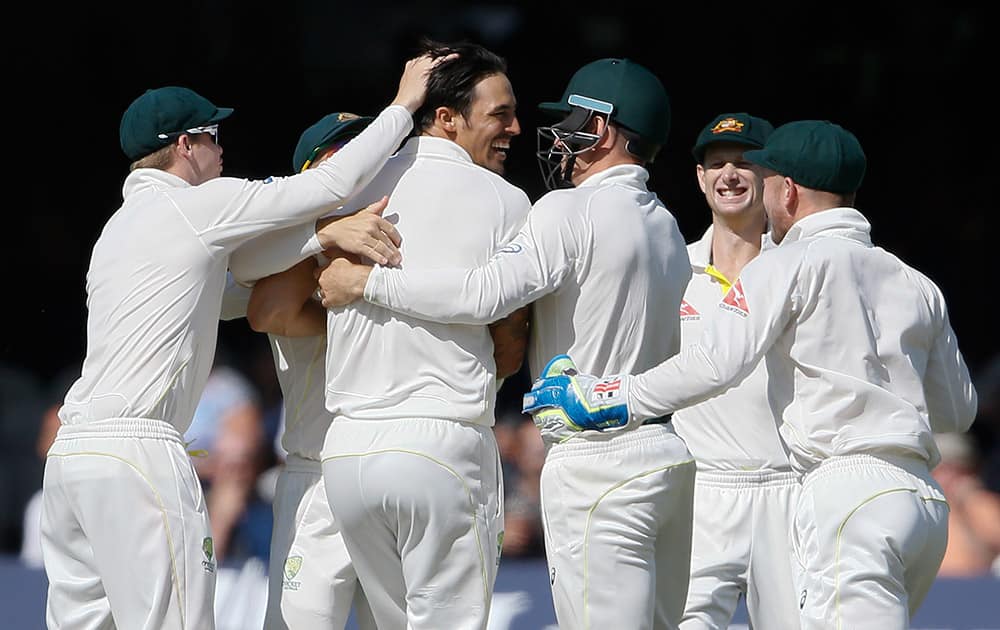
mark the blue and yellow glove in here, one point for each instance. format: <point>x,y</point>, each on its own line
<point>562,401</point>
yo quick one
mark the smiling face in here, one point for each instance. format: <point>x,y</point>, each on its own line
<point>491,122</point>
<point>732,185</point>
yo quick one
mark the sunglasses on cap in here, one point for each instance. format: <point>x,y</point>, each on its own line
<point>212,130</point>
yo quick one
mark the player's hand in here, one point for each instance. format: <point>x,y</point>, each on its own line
<point>413,83</point>
<point>342,281</point>
<point>364,233</point>
<point>563,401</point>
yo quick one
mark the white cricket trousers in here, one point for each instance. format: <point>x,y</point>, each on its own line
<point>742,546</point>
<point>869,535</point>
<point>311,579</point>
<point>125,534</point>
<point>617,512</point>
<point>419,502</point>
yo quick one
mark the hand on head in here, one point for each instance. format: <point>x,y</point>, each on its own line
<point>413,83</point>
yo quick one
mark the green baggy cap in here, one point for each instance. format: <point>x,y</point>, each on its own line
<point>155,118</point>
<point>817,154</point>
<point>325,132</point>
<point>739,128</point>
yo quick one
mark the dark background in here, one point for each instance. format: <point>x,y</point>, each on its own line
<point>910,83</point>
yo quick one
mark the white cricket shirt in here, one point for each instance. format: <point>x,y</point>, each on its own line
<point>604,263</point>
<point>158,269</point>
<point>735,430</point>
<point>859,351</point>
<point>385,365</point>
<point>298,364</point>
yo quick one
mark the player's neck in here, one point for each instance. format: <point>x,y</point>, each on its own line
<point>734,244</point>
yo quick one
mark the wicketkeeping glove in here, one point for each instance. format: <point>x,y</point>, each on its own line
<point>563,401</point>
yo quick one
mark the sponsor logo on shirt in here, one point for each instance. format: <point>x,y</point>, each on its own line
<point>736,301</point>
<point>293,564</point>
<point>688,312</point>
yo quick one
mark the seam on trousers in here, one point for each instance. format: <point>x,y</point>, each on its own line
<point>586,534</point>
<point>840,531</point>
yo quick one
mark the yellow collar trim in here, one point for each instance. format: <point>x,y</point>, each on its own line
<point>724,282</point>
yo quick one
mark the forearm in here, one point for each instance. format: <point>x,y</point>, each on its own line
<point>510,339</point>
<point>477,296</point>
<point>283,304</point>
<point>682,381</point>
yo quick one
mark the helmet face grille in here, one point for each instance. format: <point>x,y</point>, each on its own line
<point>559,144</point>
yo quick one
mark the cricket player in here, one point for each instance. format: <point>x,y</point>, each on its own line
<point>311,580</point>
<point>862,366</point>
<point>605,266</point>
<point>745,490</point>
<point>411,464</point>
<point>125,536</point>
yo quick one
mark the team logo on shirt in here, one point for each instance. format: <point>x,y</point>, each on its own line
<point>208,549</point>
<point>293,564</point>
<point>513,248</point>
<point>736,301</point>
<point>728,125</point>
<point>688,312</point>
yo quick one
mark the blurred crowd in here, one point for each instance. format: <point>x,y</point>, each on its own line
<point>235,443</point>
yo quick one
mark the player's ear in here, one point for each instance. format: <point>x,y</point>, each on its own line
<point>445,118</point>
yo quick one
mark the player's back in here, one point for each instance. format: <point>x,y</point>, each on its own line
<point>873,363</point>
<point>618,310</point>
<point>153,289</point>
<point>450,213</point>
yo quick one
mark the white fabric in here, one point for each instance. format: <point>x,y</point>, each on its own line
<point>741,547</point>
<point>419,502</point>
<point>617,517</point>
<point>158,573</point>
<point>870,536</point>
<point>383,365</point>
<point>744,491</point>
<point>604,264</point>
<point>737,429</point>
<point>312,582</point>
<point>860,355</point>
<point>156,276</point>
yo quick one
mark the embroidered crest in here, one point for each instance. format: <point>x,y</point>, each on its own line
<point>730,125</point>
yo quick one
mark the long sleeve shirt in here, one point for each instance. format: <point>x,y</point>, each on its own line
<point>158,269</point>
<point>859,351</point>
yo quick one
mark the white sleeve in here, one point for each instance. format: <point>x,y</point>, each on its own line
<point>755,312</point>
<point>948,389</point>
<point>273,252</point>
<point>531,265</point>
<point>225,212</point>
<point>235,299</point>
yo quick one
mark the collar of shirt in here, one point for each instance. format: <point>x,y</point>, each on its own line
<point>842,222</point>
<point>431,145</point>
<point>624,174</point>
<point>143,178</point>
<point>700,251</point>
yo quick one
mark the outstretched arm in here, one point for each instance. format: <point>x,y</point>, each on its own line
<point>534,263</point>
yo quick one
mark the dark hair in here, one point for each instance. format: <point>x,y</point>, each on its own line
<point>451,84</point>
